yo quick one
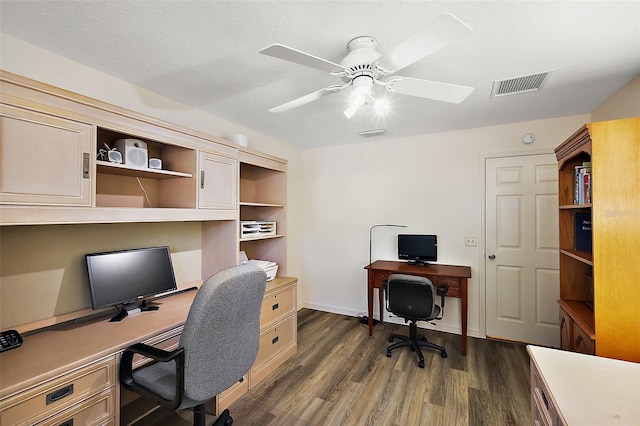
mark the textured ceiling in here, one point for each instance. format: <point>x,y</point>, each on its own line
<point>205,54</point>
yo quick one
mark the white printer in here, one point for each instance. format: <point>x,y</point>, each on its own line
<point>270,268</point>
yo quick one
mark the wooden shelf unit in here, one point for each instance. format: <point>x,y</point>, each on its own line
<point>263,194</point>
<point>51,175</point>
<point>598,289</point>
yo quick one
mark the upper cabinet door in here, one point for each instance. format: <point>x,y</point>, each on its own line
<point>218,182</point>
<point>44,160</point>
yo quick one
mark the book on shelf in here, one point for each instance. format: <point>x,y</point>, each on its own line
<point>582,231</point>
<point>582,184</point>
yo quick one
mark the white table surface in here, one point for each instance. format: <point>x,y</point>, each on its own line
<point>590,390</point>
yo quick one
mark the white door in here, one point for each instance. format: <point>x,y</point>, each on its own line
<point>521,249</point>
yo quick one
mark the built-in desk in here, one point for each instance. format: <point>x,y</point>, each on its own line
<point>71,371</point>
<point>455,277</point>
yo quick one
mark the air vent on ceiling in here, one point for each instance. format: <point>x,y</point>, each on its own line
<point>527,83</point>
<point>371,133</point>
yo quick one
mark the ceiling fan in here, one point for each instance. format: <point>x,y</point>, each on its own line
<point>364,66</point>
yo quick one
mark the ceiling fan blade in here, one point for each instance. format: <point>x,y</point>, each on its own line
<point>307,98</point>
<point>289,54</point>
<point>444,30</point>
<point>436,90</point>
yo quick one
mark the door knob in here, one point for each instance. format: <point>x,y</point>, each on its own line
<point>492,256</point>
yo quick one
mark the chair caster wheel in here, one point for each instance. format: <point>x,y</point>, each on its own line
<point>228,422</point>
<point>390,339</point>
<point>389,354</point>
<point>443,354</point>
<point>421,364</point>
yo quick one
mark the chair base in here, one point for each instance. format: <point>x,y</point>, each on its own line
<point>414,342</point>
<point>199,417</point>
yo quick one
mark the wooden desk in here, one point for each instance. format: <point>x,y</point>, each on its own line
<point>71,371</point>
<point>453,276</point>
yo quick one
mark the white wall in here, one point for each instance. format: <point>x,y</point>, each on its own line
<point>431,183</point>
<point>625,103</point>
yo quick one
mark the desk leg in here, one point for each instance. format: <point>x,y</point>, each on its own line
<point>370,301</point>
<point>381,304</point>
<point>464,300</point>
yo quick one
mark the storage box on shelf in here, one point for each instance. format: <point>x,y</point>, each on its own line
<point>599,240</point>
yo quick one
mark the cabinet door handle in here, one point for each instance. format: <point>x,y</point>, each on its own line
<point>85,165</point>
<point>276,306</point>
<point>57,395</point>
<point>202,179</point>
<point>275,340</point>
<point>67,423</point>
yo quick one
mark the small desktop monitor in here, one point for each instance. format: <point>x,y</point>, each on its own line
<point>126,276</point>
<point>418,248</point>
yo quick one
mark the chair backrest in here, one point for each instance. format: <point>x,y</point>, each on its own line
<point>221,335</point>
<point>411,297</point>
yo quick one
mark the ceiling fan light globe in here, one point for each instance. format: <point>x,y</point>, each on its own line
<point>382,106</point>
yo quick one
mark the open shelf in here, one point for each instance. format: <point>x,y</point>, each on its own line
<point>265,237</point>
<point>124,170</point>
<point>581,314</point>
<point>581,256</point>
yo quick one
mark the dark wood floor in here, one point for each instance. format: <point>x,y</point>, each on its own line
<point>341,376</point>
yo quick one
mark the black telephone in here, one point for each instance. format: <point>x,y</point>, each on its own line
<point>9,339</point>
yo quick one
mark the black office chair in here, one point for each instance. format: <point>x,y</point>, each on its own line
<point>413,298</point>
<point>218,345</point>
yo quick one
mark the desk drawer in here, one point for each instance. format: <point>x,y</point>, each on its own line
<point>453,283</point>
<point>379,277</point>
<point>277,305</point>
<point>93,411</point>
<point>277,344</point>
<point>275,339</point>
<point>56,395</point>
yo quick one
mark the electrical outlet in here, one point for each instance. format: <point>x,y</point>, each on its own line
<point>470,241</point>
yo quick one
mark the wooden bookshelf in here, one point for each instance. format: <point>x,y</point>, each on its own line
<point>599,293</point>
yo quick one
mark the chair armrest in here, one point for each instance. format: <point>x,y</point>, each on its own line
<point>158,355</point>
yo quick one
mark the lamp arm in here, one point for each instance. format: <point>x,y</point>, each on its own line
<point>376,226</point>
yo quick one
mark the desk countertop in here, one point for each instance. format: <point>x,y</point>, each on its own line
<point>431,268</point>
<point>49,353</point>
<point>590,390</point>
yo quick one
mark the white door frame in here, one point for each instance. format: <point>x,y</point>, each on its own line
<point>482,287</point>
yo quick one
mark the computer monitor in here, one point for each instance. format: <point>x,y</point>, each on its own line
<point>126,276</point>
<point>418,248</point>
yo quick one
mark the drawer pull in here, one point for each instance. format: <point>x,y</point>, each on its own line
<point>544,399</point>
<point>276,306</point>
<point>59,394</point>
<point>275,340</point>
<point>67,423</point>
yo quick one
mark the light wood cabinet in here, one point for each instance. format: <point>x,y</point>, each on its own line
<point>44,160</point>
<point>218,182</point>
<point>598,287</point>
<point>86,395</point>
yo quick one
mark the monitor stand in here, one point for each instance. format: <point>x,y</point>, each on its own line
<point>126,310</point>
<point>132,309</point>
<point>417,262</point>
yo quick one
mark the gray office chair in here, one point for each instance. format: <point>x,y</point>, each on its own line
<point>218,345</point>
<point>413,298</point>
